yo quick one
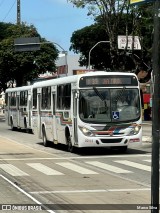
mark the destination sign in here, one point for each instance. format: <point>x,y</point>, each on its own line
<point>103,81</point>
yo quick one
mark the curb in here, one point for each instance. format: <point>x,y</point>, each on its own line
<point>147,123</point>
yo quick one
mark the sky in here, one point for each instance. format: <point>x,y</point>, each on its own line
<point>55,20</point>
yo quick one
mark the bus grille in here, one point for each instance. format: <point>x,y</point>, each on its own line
<point>115,140</point>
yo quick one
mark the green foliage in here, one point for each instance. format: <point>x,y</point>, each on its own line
<point>21,67</point>
<point>113,18</point>
<point>83,40</point>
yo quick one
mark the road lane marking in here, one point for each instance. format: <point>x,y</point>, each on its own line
<point>108,167</point>
<point>135,165</point>
<point>12,170</point>
<point>25,193</point>
<point>74,157</point>
<point>76,168</point>
<point>44,169</point>
<point>90,191</point>
<point>147,161</point>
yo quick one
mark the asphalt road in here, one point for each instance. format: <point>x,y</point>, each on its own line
<point>91,179</point>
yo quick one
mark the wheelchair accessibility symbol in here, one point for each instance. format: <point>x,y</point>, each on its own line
<point>115,115</point>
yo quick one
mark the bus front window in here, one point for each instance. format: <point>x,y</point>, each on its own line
<point>98,105</point>
<point>94,105</point>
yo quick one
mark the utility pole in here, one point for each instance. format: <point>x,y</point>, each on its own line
<point>18,11</point>
<point>89,56</point>
<point>156,111</point>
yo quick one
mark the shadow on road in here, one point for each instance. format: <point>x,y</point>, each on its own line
<point>95,151</point>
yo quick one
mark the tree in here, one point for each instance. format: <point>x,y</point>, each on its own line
<point>20,67</point>
<point>115,14</point>
<point>81,42</point>
<point>84,39</point>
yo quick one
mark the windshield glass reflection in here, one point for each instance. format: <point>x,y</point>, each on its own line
<point>101,105</point>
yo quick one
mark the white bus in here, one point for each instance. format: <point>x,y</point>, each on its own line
<point>85,110</point>
<point>17,109</point>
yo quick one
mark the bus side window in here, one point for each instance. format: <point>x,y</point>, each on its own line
<point>43,98</point>
<point>13,99</point>
<point>34,99</point>
<point>23,98</point>
<point>59,97</point>
<point>67,96</point>
<point>46,98</point>
<point>6,99</point>
<point>64,96</point>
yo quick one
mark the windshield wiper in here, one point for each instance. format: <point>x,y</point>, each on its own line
<point>101,97</point>
<point>121,93</point>
<point>99,94</point>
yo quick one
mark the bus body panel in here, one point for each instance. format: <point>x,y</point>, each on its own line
<point>83,110</point>
<point>109,138</point>
<point>62,120</point>
<point>17,111</point>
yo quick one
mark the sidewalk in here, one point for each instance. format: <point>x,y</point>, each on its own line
<point>146,122</point>
<point>14,199</point>
<point>147,139</point>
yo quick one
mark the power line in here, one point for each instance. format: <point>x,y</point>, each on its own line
<point>9,10</point>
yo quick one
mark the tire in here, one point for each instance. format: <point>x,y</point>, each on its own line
<point>12,126</point>
<point>25,126</point>
<point>45,141</point>
<point>70,147</point>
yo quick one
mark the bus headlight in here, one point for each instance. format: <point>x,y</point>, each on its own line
<point>86,131</point>
<point>135,130</point>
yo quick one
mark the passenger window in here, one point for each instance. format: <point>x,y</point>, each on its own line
<point>64,96</point>
<point>13,99</point>
<point>23,98</point>
<point>34,99</point>
<point>46,98</point>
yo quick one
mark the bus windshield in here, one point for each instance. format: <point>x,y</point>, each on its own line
<point>101,105</point>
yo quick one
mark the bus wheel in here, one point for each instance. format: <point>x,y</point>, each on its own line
<point>70,147</point>
<point>45,142</point>
<point>12,126</point>
<point>25,126</point>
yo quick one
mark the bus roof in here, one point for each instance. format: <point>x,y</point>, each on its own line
<point>67,79</point>
<point>75,78</point>
<point>15,89</point>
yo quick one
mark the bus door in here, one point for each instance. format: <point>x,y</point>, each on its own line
<point>54,126</point>
<point>29,108</point>
<point>29,113</point>
<point>18,109</point>
<point>8,108</point>
<point>75,131</point>
<point>39,125</point>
